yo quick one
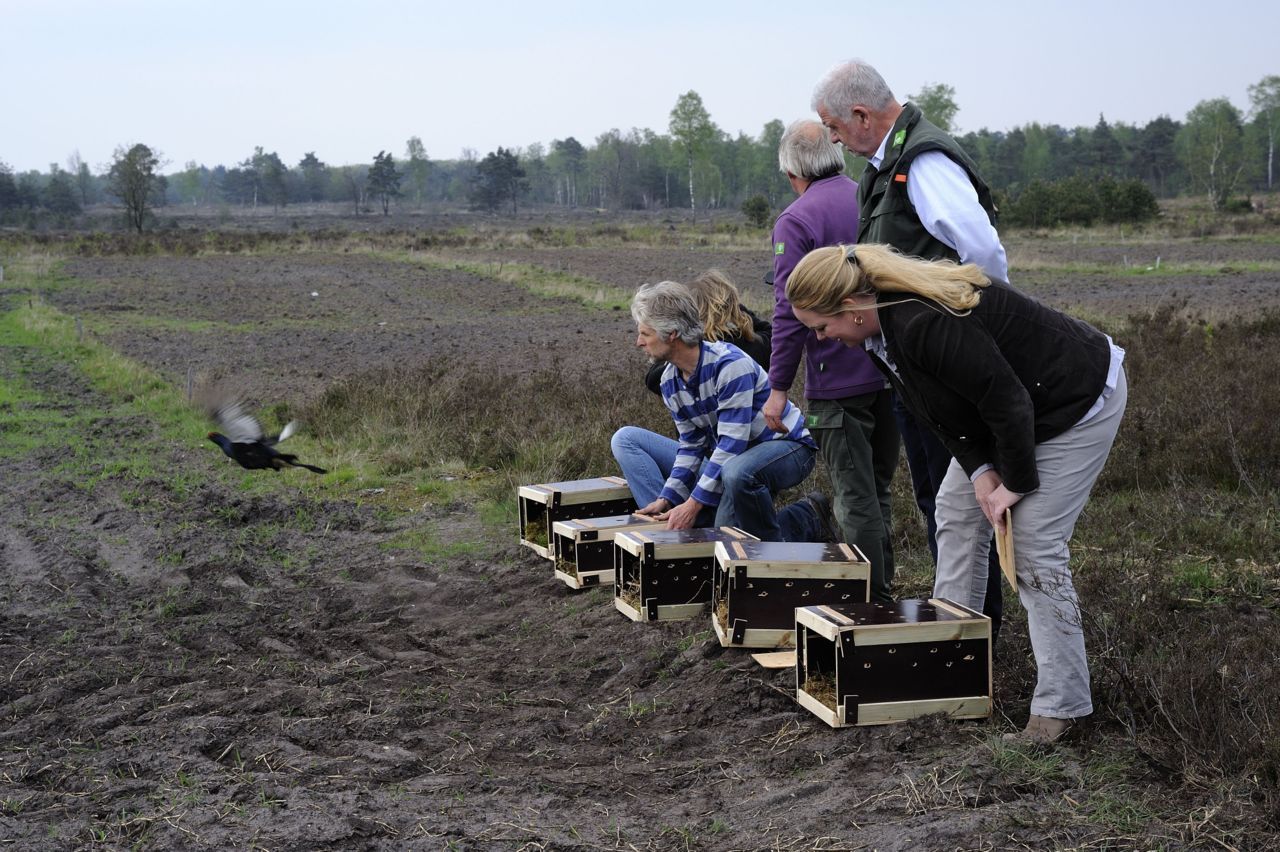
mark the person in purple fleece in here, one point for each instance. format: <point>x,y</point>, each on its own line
<point>849,406</point>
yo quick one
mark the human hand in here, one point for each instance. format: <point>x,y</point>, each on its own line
<point>684,516</point>
<point>656,509</point>
<point>994,498</point>
<point>773,408</point>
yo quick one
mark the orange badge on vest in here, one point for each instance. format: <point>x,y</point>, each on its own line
<point>899,178</point>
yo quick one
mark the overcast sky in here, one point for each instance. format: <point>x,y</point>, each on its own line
<point>208,81</point>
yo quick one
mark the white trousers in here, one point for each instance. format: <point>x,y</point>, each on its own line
<point>1043,523</point>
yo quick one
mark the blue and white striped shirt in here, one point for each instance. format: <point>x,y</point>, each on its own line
<point>719,414</point>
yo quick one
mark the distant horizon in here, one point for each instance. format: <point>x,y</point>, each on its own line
<point>173,165</point>
<point>316,76</point>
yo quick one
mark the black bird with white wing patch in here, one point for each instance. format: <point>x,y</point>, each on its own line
<point>242,439</point>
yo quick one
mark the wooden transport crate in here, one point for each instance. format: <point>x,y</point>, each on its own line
<point>665,575</point>
<point>759,584</point>
<point>872,663</point>
<point>583,548</point>
<point>542,505</point>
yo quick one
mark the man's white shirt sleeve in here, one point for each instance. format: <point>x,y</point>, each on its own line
<point>948,207</point>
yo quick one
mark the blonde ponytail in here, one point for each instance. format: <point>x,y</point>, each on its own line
<point>825,277</point>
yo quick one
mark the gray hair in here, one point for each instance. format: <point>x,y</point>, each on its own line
<point>849,84</point>
<point>806,151</point>
<point>668,307</point>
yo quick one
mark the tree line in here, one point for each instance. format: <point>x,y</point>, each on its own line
<point>1039,171</point>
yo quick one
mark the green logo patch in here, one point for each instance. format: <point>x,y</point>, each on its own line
<point>779,248</point>
<point>899,138</point>
<point>811,421</point>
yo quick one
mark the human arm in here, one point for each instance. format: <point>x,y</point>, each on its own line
<point>773,410</point>
<point>791,241</point>
<point>948,207</point>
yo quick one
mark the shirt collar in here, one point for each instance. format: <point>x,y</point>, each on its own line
<point>878,157</point>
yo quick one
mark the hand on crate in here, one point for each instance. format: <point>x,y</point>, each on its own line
<point>684,516</point>
<point>656,509</point>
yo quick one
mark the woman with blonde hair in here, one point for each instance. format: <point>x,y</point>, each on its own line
<point>1027,400</point>
<point>724,319</point>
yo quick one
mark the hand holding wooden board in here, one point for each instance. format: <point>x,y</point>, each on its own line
<point>1004,549</point>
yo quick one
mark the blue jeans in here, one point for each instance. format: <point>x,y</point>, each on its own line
<point>749,480</point>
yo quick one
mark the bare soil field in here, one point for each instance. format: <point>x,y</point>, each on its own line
<point>185,665</point>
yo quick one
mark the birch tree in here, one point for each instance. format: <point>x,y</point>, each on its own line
<point>692,129</point>
<point>1265,99</point>
<point>1211,146</point>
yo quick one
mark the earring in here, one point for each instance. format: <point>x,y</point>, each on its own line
<point>857,319</point>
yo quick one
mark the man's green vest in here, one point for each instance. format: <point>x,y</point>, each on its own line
<point>887,214</point>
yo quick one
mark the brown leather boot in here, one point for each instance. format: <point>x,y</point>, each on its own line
<point>1041,730</point>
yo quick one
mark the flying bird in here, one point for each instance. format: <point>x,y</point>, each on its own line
<point>243,440</point>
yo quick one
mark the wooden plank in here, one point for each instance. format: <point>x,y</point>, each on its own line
<point>544,552</point>
<point>568,529</point>
<point>575,498</point>
<point>817,622</point>
<point>631,542</point>
<point>936,631</point>
<point>959,610</point>
<point>578,581</point>
<point>629,611</point>
<point>536,493</point>
<point>676,612</point>
<point>817,708</point>
<point>776,659</point>
<point>807,570</point>
<point>883,713</point>
<point>758,638</point>
<point>681,550</point>
<point>721,634</point>
<point>1004,549</point>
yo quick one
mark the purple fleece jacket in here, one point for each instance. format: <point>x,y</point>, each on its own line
<point>827,214</point>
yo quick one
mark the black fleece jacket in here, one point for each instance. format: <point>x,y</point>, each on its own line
<point>994,383</point>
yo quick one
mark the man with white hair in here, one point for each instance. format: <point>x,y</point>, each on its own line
<point>921,194</point>
<point>728,464</point>
<point>849,409</point>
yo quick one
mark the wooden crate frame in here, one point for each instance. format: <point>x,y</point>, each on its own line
<point>758,585</point>
<point>673,570</point>
<point>913,658</point>
<point>542,505</point>
<point>583,547</point>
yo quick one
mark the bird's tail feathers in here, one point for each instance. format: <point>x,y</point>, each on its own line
<point>290,428</point>
<point>290,459</point>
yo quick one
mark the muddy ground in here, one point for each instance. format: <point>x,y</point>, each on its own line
<point>183,665</point>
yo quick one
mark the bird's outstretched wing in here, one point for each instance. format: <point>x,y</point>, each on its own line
<point>290,428</point>
<point>240,427</point>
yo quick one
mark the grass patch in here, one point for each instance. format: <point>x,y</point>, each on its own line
<point>535,279</point>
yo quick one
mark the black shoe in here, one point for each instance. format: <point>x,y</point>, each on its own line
<point>826,518</point>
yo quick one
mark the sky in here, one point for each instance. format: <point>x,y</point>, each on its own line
<point>209,81</point>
